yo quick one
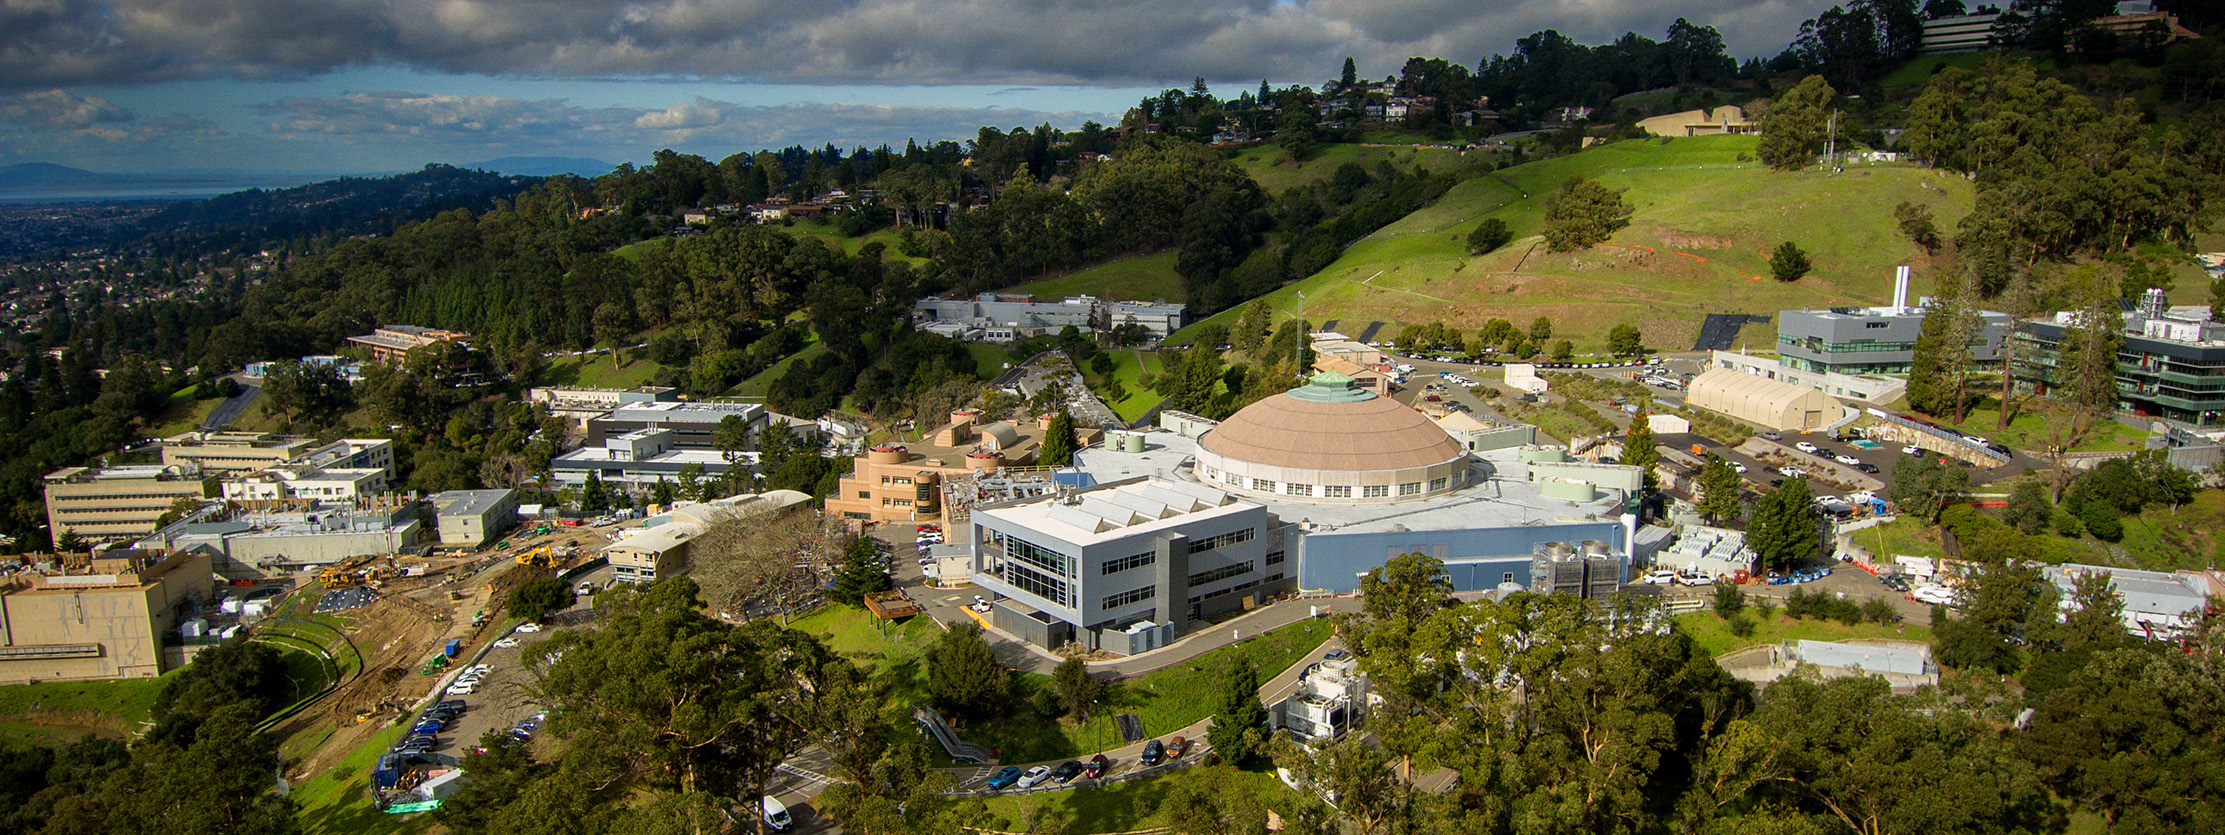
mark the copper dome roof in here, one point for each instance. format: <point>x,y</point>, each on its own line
<point>1324,426</point>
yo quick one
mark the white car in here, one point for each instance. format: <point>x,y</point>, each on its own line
<point>1695,579</point>
<point>507,643</point>
<point>1848,460</point>
<point>462,689</point>
<point>1661,577</point>
<point>1405,368</point>
<point>1741,468</point>
<point>1806,447</point>
<point>1793,472</point>
<point>528,626</point>
<point>1934,594</point>
<point>1976,441</point>
<point>1035,776</point>
<point>1913,449</point>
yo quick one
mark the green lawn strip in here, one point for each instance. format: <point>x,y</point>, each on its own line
<point>1167,699</point>
<point>339,800</point>
<point>1132,804</point>
<point>2163,539</point>
<point>832,235</point>
<point>1141,278</point>
<point>129,703</point>
<point>1715,638</point>
<point>1129,372</point>
<point>307,741</point>
<point>1270,165</point>
<point>602,370</point>
<point>632,252</point>
<point>184,413</point>
<point>759,385</point>
<point>989,359</point>
<point>2028,431</point>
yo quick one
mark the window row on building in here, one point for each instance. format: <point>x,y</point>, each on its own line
<point>1199,546</point>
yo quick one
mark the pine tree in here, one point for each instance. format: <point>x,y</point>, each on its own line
<point>1239,726</point>
<point>594,497</point>
<point>862,573</point>
<point>1638,451</point>
<point>1350,76</point>
<point>1789,263</point>
<point>1059,442</point>
<point>1721,491</point>
<point>1074,688</point>
<point>963,675</point>
<point>1786,527</point>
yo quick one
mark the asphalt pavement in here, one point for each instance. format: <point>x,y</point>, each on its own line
<point>230,409</point>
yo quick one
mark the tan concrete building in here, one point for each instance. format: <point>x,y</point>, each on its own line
<point>105,620</point>
<point>222,453</point>
<point>895,482</point>
<point>390,343</point>
<point>660,549</point>
<point>116,502</point>
<point>1767,403</point>
<point>1721,120</point>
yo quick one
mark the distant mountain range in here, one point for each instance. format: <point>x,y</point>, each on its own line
<point>38,181</point>
<point>544,166</point>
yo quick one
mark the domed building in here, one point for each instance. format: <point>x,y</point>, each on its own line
<point>1331,442</point>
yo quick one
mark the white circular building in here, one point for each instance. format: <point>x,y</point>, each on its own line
<point>1331,442</point>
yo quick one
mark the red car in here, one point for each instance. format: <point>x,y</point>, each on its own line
<point>1176,746</point>
<point>1097,767</point>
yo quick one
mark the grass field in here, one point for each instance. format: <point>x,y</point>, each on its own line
<point>989,359</point>
<point>1691,196</point>
<point>1144,278</point>
<point>33,733</point>
<point>184,413</point>
<point>757,386</point>
<point>1714,636</point>
<point>1130,805</point>
<point>2028,430</point>
<point>1270,165</point>
<point>632,252</point>
<point>899,649</point>
<point>833,237</point>
<point>601,370</point>
<point>1167,699</point>
<point>1129,372</point>
<point>2158,539</point>
<point>122,704</point>
<point>338,802</point>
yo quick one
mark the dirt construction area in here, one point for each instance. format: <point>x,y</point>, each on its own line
<point>411,621</point>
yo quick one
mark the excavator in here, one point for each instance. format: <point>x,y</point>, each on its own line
<point>344,574</point>
<point>542,557</point>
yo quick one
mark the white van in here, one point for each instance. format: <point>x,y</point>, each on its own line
<point>776,815</point>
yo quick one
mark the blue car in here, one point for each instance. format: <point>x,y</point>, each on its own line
<point>1004,778</point>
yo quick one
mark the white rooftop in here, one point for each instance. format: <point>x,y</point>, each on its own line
<point>1114,512</point>
<point>1869,658</point>
<point>1500,493</point>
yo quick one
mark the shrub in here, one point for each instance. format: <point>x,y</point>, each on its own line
<point>1789,263</point>
<point>1489,235</point>
<point>1881,610</point>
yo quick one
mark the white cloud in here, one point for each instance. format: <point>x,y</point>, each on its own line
<point>59,110</point>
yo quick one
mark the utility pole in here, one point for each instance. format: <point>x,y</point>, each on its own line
<point>1831,146</point>
<point>1298,348</point>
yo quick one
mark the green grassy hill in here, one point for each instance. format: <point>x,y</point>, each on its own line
<point>1143,278</point>
<point>1270,166</point>
<point>1706,219</point>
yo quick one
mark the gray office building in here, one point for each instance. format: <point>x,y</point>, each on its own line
<point>1869,340</point>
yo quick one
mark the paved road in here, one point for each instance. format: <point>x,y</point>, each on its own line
<point>230,409</point>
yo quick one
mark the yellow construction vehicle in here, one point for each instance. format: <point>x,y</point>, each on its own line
<point>542,557</point>
<point>343,574</point>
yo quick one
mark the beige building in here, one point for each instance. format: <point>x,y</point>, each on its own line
<point>220,453</point>
<point>116,502</point>
<point>660,549</point>
<point>1770,404</point>
<point>472,518</point>
<point>895,482</point>
<point>390,343</point>
<point>106,620</point>
<point>1721,120</point>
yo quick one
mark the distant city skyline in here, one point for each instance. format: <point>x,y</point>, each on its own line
<point>353,86</point>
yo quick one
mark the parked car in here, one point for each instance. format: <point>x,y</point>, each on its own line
<point>1004,778</point>
<point>1153,753</point>
<point>1661,577</point>
<point>1848,460</point>
<point>1695,579</point>
<point>1806,447</point>
<point>1335,655</point>
<point>1035,777</point>
<point>528,626</point>
<point>1913,449</point>
<point>1772,436</point>
<point>776,814</point>
<point>462,688</point>
<point>1792,472</point>
<point>507,643</point>
<point>1097,767</point>
<point>1176,746</point>
<point>1067,771</point>
<point>1866,467</point>
<point>1741,468</point>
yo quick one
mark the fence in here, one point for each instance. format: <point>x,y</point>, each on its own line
<point>1954,439</point>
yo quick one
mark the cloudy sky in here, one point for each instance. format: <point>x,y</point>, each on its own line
<point>382,85</point>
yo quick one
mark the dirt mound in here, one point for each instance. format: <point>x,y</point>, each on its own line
<point>1678,239</point>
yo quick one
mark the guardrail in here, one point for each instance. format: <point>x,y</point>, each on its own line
<point>1196,755</point>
